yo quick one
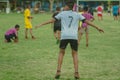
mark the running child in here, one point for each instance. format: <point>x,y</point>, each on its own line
<point>84,27</point>
<point>100,12</point>
<point>57,26</point>
<point>115,9</point>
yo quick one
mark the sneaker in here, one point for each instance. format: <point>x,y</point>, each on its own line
<point>76,75</point>
<point>57,76</point>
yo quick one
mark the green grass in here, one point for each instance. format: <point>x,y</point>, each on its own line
<point>37,59</point>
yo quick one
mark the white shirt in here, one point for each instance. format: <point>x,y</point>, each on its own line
<point>69,24</point>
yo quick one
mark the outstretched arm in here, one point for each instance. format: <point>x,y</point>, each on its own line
<point>91,24</point>
<point>47,22</point>
<point>92,19</point>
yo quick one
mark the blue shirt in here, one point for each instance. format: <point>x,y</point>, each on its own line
<point>115,9</point>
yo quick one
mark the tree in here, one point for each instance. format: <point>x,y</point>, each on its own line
<point>51,5</point>
<point>52,2</point>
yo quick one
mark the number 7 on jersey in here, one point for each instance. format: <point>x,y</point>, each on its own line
<point>71,19</point>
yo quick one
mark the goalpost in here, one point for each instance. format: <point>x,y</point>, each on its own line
<point>7,5</point>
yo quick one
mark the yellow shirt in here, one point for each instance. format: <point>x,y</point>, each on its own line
<point>80,21</point>
<point>27,20</point>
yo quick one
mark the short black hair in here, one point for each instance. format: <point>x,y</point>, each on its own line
<point>57,8</point>
<point>85,8</point>
<point>17,26</point>
<point>70,3</point>
<point>27,6</point>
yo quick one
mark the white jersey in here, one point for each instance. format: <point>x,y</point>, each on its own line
<point>69,24</point>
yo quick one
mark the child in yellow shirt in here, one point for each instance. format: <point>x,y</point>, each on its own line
<point>28,25</point>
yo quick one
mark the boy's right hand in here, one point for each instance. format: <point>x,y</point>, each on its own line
<point>15,40</point>
<point>36,27</point>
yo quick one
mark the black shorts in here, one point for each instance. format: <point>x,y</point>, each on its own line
<point>109,11</point>
<point>9,37</point>
<point>118,13</point>
<point>73,44</point>
<point>57,28</point>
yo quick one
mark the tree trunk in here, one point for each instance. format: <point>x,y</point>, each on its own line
<point>51,5</point>
<point>15,4</point>
<point>57,2</point>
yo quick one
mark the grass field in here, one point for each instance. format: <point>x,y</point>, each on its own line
<point>37,59</point>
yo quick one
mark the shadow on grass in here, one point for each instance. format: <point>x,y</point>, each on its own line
<point>47,78</point>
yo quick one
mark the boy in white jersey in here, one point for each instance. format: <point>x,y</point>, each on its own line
<point>69,34</point>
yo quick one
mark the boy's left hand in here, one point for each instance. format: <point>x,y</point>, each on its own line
<point>38,26</point>
<point>100,30</point>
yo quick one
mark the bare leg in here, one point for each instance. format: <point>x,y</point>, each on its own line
<point>79,37</point>
<point>117,18</point>
<point>75,61</point>
<point>31,34</point>
<point>98,18</point>
<point>114,18</point>
<point>86,39</point>
<point>26,33</point>
<point>58,36</point>
<point>60,60</point>
<point>55,35</point>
